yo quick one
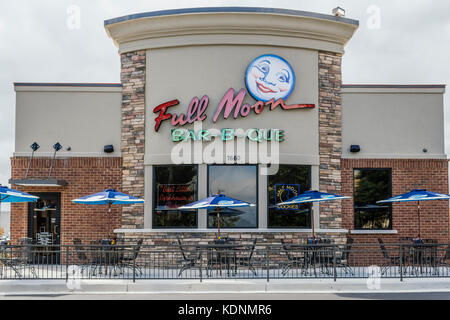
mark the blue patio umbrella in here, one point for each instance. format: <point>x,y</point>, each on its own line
<point>108,197</point>
<point>417,195</point>
<point>216,202</point>
<point>313,196</point>
<point>13,196</point>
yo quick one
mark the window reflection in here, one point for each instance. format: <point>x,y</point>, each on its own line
<point>239,182</point>
<point>370,186</point>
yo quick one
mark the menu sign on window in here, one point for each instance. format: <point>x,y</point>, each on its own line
<point>172,196</point>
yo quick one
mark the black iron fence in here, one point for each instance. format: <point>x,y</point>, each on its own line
<point>229,261</point>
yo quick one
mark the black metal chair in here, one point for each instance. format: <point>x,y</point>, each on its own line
<point>96,256</point>
<point>81,255</point>
<point>129,260</point>
<point>395,261</point>
<point>19,257</point>
<point>188,261</point>
<point>342,261</point>
<point>8,260</point>
<point>246,260</point>
<point>429,252</point>
<point>444,261</point>
<point>424,255</point>
<point>293,261</point>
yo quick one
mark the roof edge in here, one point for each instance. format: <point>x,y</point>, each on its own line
<point>63,84</point>
<point>229,10</point>
<point>395,86</point>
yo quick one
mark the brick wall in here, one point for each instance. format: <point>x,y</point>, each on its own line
<point>133,134</point>
<point>330,135</point>
<point>85,176</point>
<point>407,174</point>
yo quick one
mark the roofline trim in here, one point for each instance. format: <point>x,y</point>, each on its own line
<point>229,10</point>
<point>62,84</point>
<point>395,86</point>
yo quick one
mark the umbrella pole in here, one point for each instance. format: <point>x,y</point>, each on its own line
<point>418,215</point>
<point>312,221</point>
<point>109,220</point>
<point>218,223</point>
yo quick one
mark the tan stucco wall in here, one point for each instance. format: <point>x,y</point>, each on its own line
<point>85,119</point>
<point>393,123</point>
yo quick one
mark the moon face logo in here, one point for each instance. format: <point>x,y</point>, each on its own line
<point>269,77</point>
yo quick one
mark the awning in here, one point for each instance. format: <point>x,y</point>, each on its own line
<point>39,182</point>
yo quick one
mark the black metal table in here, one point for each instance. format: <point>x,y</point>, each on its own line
<point>219,254</point>
<point>315,255</point>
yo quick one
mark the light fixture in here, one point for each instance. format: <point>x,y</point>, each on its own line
<point>355,148</point>
<point>108,148</point>
<point>33,147</point>
<point>338,12</point>
<point>57,146</point>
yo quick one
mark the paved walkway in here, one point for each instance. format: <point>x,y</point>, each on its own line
<point>288,286</point>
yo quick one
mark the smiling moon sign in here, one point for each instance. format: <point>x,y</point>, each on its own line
<point>269,77</point>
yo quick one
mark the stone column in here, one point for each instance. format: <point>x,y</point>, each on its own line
<point>133,134</point>
<point>330,136</point>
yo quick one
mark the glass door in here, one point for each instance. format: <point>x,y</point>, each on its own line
<point>44,226</point>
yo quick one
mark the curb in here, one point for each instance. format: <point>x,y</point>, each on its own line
<point>59,287</point>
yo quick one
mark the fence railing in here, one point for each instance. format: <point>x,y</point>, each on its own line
<point>260,261</point>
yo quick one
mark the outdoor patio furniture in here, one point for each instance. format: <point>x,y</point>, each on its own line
<point>320,254</point>
<point>246,260</point>
<point>219,255</point>
<point>294,261</point>
<point>6,261</point>
<point>96,258</point>
<point>397,261</point>
<point>423,255</point>
<point>81,256</point>
<point>405,240</point>
<point>127,260</point>
<point>18,258</point>
<point>444,261</point>
<point>343,260</point>
<point>189,260</point>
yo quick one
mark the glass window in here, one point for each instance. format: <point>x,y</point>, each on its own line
<point>238,182</point>
<point>288,182</point>
<point>370,186</point>
<point>174,186</point>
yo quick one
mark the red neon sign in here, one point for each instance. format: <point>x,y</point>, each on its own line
<point>230,104</point>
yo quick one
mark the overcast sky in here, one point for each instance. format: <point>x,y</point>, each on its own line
<point>398,42</point>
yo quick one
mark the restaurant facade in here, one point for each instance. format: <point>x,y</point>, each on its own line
<point>248,102</point>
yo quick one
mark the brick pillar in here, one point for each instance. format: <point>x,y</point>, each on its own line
<point>330,136</point>
<point>133,134</point>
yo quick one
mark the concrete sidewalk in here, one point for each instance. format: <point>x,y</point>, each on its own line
<point>52,287</point>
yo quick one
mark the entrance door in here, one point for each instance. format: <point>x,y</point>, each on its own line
<point>44,226</point>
